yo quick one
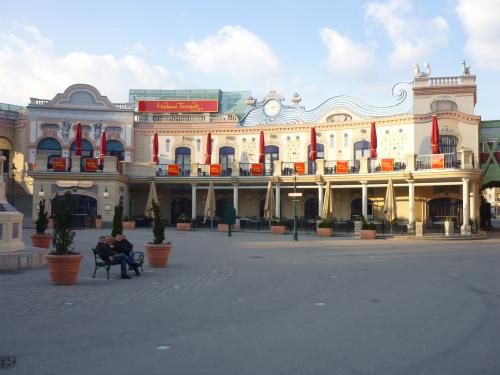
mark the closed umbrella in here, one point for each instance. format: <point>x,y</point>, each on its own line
<point>269,204</point>
<point>208,156</point>
<point>373,142</point>
<point>327,202</point>
<point>79,139</point>
<point>156,159</point>
<point>261,147</point>
<point>210,203</point>
<point>435,135</point>
<point>149,202</point>
<point>390,203</point>
<point>103,147</point>
<point>313,144</point>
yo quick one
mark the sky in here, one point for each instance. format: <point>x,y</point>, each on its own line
<point>318,49</point>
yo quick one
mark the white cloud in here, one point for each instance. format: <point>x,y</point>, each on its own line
<point>414,39</point>
<point>232,50</point>
<point>480,21</point>
<point>344,55</point>
<point>29,66</point>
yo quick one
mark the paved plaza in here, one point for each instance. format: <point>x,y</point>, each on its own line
<point>257,303</point>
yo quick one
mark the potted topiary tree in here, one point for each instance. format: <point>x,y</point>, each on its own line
<point>367,231</point>
<point>278,225</point>
<point>63,263</point>
<point>128,223</point>
<point>325,228</point>
<point>117,224</point>
<point>158,251</point>
<point>183,222</point>
<point>41,239</point>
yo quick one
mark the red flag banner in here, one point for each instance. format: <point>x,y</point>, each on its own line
<point>256,169</point>
<point>173,170</point>
<point>342,166</point>
<point>178,106</point>
<point>91,165</point>
<point>59,164</point>
<point>215,169</point>
<point>300,168</point>
<point>387,165</point>
<point>437,161</point>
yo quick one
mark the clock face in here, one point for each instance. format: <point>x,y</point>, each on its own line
<point>272,107</point>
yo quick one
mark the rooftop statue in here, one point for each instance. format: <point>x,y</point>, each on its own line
<point>418,74</point>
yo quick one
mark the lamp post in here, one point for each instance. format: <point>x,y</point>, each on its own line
<point>295,233</point>
<point>13,179</point>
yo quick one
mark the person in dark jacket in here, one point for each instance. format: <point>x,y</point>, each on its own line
<point>123,246</point>
<point>107,254</point>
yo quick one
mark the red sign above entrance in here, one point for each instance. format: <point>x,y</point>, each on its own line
<point>178,106</point>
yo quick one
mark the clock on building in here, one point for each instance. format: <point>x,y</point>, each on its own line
<point>272,107</point>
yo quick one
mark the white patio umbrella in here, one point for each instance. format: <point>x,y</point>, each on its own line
<point>149,203</point>
<point>390,203</point>
<point>210,203</point>
<point>270,204</point>
<point>327,202</point>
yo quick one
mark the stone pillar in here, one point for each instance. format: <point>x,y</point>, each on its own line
<point>466,206</point>
<point>277,168</point>
<point>411,204</point>
<point>466,159</point>
<point>41,162</point>
<point>410,162</point>
<point>363,164</point>
<point>472,211</point>
<point>236,169</point>
<point>109,164</point>
<point>235,198</point>
<point>320,198</point>
<point>320,167</point>
<point>194,170</point>
<point>193,201</point>
<point>278,200</point>
<point>364,200</point>
<point>76,163</point>
<point>419,229</point>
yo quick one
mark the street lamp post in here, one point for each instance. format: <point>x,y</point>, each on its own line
<point>13,179</point>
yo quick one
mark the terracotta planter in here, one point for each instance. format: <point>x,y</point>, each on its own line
<point>223,227</point>
<point>158,254</point>
<point>367,234</point>
<point>98,223</point>
<point>64,268</point>
<point>184,226</point>
<point>324,232</point>
<point>41,240</point>
<point>129,225</point>
<point>278,229</point>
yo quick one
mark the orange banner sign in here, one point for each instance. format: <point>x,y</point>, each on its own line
<point>173,169</point>
<point>178,106</point>
<point>91,165</point>
<point>342,166</point>
<point>59,164</point>
<point>387,165</point>
<point>300,168</point>
<point>256,169</point>
<point>437,161</point>
<point>215,169</point>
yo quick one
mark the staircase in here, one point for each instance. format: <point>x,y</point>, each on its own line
<point>23,202</point>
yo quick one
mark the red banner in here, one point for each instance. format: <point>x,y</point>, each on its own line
<point>387,165</point>
<point>256,169</point>
<point>215,169</point>
<point>91,165</point>
<point>437,161</point>
<point>178,106</point>
<point>342,166</point>
<point>173,170</point>
<point>59,164</point>
<point>300,168</point>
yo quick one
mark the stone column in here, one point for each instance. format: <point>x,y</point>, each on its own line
<point>236,169</point>
<point>466,206</point>
<point>110,163</point>
<point>277,168</point>
<point>278,200</point>
<point>364,200</point>
<point>410,162</point>
<point>363,164</point>
<point>235,198</point>
<point>41,163</point>
<point>193,201</point>
<point>411,204</point>
<point>76,163</point>
<point>320,198</point>
<point>472,212</point>
<point>320,167</point>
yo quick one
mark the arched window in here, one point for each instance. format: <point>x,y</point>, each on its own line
<point>448,144</point>
<point>320,151</point>
<point>183,158</point>
<point>87,149</point>
<point>271,153</point>
<point>361,148</point>
<point>226,159</point>
<point>50,147</point>
<point>115,148</point>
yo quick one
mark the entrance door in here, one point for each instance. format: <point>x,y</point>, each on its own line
<point>357,209</point>
<point>180,206</point>
<point>311,209</point>
<point>84,210</point>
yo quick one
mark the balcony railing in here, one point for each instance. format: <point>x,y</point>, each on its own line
<point>438,161</point>
<point>386,165</point>
<point>341,166</point>
<point>186,118</point>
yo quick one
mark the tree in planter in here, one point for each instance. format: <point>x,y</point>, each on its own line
<point>43,218</point>
<point>326,223</point>
<point>117,221</point>
<point>158,226</point>
<point>183,218</point>
<point>365,225</point>
<point>63,235</point>
<point>278,221</point>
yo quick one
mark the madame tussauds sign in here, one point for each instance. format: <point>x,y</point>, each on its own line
<point>178,106</point>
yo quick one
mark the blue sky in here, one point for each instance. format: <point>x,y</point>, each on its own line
<point>317,48</point>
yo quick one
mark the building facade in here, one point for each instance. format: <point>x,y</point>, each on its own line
<point>428,188</point>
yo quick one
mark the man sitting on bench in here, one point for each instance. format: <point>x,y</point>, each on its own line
<point>108,255</point>
<point>123,246</point>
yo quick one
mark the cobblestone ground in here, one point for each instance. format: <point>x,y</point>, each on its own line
<point>260,303</point>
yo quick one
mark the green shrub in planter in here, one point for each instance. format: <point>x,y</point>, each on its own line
<point>183,218</point>
<point>117,221</point>
<point>43,218</point>
<point>328,223</point>
<point>278,221</point>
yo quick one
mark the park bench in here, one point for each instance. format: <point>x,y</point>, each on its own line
<point>99,263</point>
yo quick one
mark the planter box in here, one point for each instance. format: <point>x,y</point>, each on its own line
<point>278,229</point>
<point>41,240</point>
<point>324,232</point>
<point>158,254</point>
<point>184,226</point>
<point>367,234</point>
<point>98,223</point>
<point>64,268</point>
<point>223,227</point>
<point>129,225</point>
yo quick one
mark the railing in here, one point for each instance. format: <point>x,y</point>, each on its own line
<point>287,168</point>
<point>268,169</point>
<point>123,105</point>
<point>341,166</point>
<point>245,169</point>
<point>184,170</point>
<point>438,161</point>
<point>445,81</point>
<point>186,118</point>
<point>37,101</point>
<point>376,166</point>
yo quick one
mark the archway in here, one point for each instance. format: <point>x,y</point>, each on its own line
<point>357,209</point>
<point>441,208</point>
<point>50,147</point>
<point>84,209</point>
<point>311,208</point>
<point>180,206</point>
<point>115,148</point>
